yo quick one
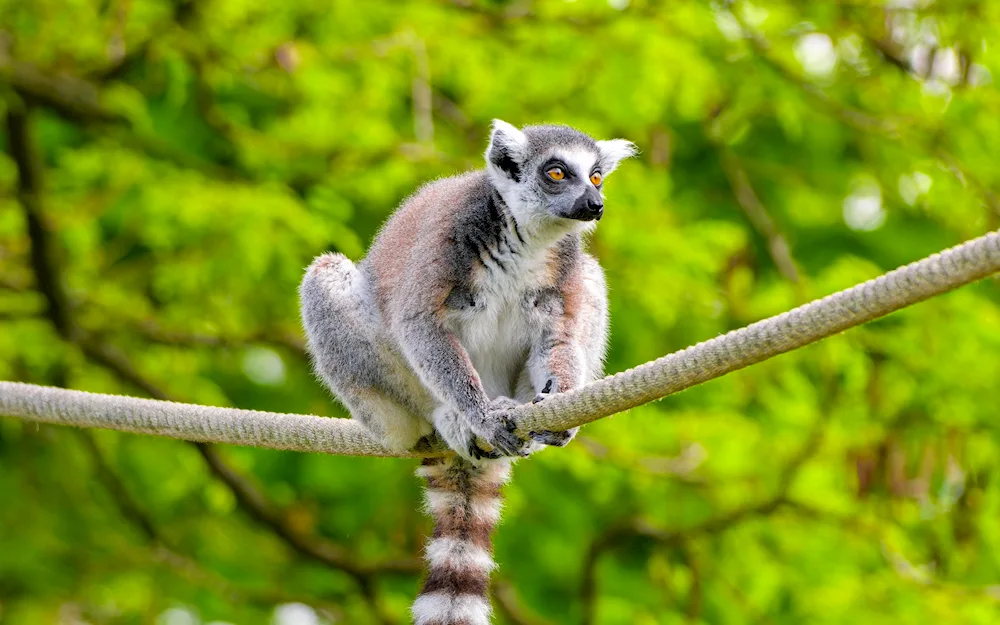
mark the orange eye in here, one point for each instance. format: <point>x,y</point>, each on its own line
<point>596,178</point>
<point>556,173</point>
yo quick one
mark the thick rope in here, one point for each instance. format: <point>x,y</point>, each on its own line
<point>897,289</point>
<point>908,285</point>
<point>189,421</point>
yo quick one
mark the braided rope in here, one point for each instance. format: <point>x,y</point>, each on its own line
<point>189,421</point>
<point>710,359</point>
<point>934,275</point>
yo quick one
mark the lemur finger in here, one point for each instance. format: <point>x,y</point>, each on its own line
<point>499,429</point>
<point>503,438</point>
<point>550,437</point>
<point>507,442</point>
<point>479,453</point>
<point>546,391</point>
<point>554,438</point>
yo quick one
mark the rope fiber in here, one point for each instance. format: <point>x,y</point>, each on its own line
<point>934,275</point>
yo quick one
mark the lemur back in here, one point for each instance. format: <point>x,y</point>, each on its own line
<point>475,296</point>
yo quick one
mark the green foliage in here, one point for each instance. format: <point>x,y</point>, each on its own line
<point>195,156</point>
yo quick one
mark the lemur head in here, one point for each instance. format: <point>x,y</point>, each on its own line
<point>552,174</point>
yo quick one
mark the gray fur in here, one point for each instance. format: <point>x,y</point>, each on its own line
<point>475,296</point>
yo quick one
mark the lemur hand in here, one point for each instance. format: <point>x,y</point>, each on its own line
<point>498,431</point>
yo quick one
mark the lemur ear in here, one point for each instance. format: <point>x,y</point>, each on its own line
<point>615,151</point>
<point>507,148</point>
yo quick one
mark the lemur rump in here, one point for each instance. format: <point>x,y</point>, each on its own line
<point>475,296</point>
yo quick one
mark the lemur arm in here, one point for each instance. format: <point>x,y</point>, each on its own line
<point>442,363</point>
<point>445,368</point>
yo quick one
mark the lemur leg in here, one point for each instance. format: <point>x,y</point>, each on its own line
<point>573,342</point>
<point>351,353</point>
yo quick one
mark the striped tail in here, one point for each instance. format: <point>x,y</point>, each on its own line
<point>464,500</point>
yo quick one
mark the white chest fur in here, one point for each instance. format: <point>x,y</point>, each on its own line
<point>499,330</point>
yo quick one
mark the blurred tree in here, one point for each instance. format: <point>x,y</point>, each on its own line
<point>171,167</point>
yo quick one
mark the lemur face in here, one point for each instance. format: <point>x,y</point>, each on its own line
<point>568,183</point>
<point>552,173</point>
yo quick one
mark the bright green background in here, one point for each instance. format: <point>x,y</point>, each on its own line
<point>215,147</point>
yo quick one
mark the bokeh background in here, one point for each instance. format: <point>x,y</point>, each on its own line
<point>169,169</point>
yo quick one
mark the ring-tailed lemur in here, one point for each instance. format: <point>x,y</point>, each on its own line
<point>476,296</point>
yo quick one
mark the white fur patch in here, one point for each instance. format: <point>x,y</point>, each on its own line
<point>440,607</point>
<point>514,143</point>
<point>495,470</point>
<point>487,510</point>
<point>336,273</point>
<point>400,430</point>
<point>507,135</point>
<point>441,502</point>
<point>432,470</point>
<point>614,151</point>
<point>581,160</point>
<point>456,554</point>
<point>498,470</point>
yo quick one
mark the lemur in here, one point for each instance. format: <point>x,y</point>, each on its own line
<point>476,296</point>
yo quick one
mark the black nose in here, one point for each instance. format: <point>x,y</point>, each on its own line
<point>596,207</point>
<point>589,206</point>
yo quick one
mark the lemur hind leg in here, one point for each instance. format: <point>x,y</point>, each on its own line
<point>575,339</point>
<point>352,354</point>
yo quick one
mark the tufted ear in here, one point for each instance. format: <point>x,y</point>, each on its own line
<point>507,149</point>
<point>613,152</point>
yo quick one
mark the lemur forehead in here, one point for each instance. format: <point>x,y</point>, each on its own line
<point>541,139</point>
<point>580,159</point>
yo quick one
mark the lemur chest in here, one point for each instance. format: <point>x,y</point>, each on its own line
<point>499,319</point>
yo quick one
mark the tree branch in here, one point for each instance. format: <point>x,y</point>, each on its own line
<point>777,244</point>
<point>635,528</point>
<point>73,98</point>
<point>43,251</point>
<point>80,101</point>
<point>154,333</point>
<point>163,551</point>
<point>505,598</point>
<point>681,537</point>
<point>865,122</point>
<point>255,503</point>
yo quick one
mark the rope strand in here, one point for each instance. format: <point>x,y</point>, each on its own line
<point>934,275</point>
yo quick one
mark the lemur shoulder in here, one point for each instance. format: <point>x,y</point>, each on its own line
<point>476,296</point>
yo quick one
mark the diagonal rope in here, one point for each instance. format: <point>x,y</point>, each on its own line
<point>806,324</point>
<point>902,287</point>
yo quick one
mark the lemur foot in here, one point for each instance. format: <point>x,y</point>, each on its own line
<point>551,437</point>
<point>550,384</point>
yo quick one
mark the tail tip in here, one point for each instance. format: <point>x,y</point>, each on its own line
<point>441,608</point>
